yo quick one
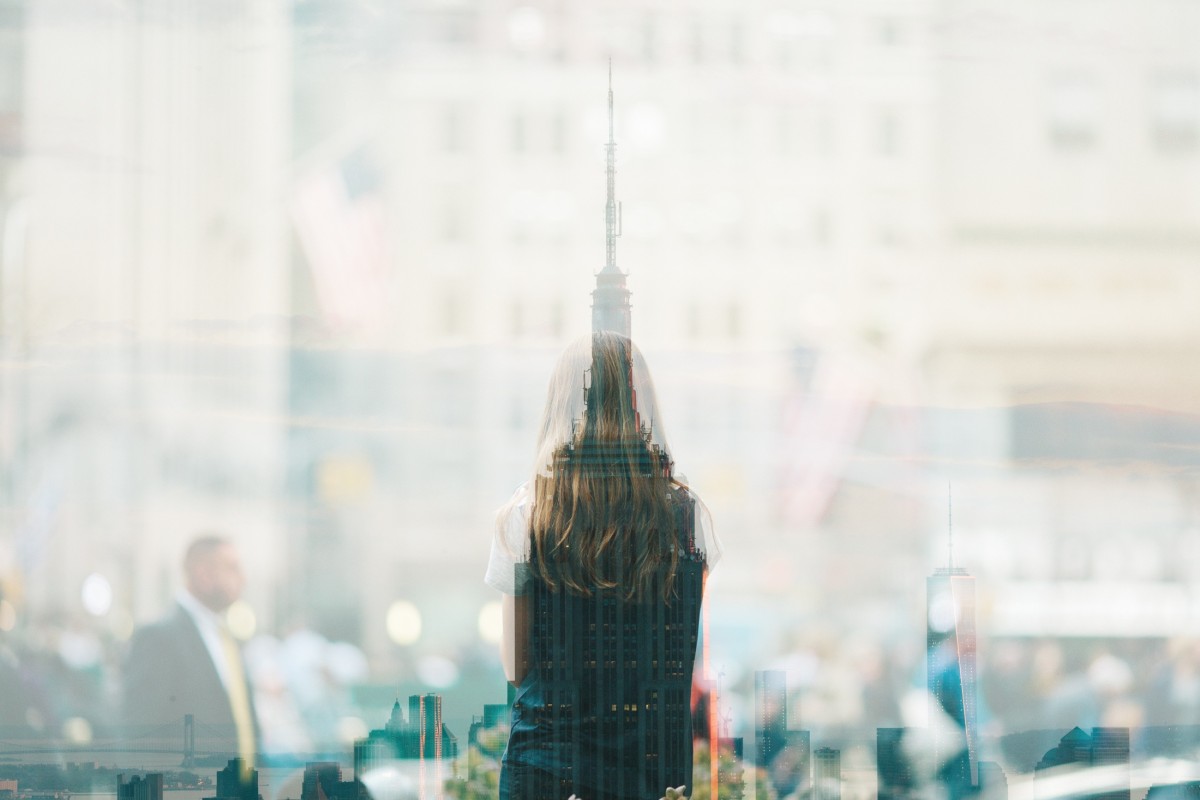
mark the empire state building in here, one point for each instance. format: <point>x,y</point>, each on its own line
<point>610,298</point>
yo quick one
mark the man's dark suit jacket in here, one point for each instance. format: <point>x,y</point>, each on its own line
<point>169,673</point>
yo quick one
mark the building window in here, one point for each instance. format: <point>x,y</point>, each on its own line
<point>520,133</point>
<point>558,132</point>
<point>890,31</point>
<point>696,42</point>
<point>453,139</point>
<point>1074,111</point>
<point>451,317</point>
<point>649,38</point>
<point>823,133</point>
<point>453,224</point>
<point>804,132</point>
<point>516,319</point>
<point>785,131</point>
<point>1175,112</point>
<point>822,227</point>
<point>526,28</point>
<point>737,42</point>
<point>888,133</point>
<point>733,321</point>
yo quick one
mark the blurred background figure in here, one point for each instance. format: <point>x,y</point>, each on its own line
<point>189,662</point>
<point>1173,696</point>
<point>874,247</point>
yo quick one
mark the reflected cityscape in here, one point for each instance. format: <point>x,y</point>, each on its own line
<point>288,276</point>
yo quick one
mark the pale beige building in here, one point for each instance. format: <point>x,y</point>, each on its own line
<point>836,207</point>
<point>145,372</point>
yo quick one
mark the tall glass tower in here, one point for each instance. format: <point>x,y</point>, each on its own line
<point>952,676</point>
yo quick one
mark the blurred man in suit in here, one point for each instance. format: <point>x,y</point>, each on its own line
<point>189,662</point>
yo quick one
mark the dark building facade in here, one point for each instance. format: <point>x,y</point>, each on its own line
<point>620,677</point>
<point>236,781</point>
<point>488,734</point>
<point>147,787</point>
<point>421,737</point>
<point>323,781</point>
<point>608,703</point>
<point>892,764</point>
<point>1104,749</point>
<point>1174,791</point>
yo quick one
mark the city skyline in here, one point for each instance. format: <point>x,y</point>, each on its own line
<point>870,250</point>
<point>950,618</point>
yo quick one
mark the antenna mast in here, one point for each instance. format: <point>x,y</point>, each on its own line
<point>611,213</point>
<point>950,522</point>
<point>610,299</point>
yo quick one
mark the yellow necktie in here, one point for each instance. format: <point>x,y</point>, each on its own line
<point>239,700</point>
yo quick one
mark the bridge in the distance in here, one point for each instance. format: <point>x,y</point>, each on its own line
<point>216,743</point>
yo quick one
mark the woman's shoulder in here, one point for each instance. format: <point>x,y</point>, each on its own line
<point>506,564</point>
<point>703,537</point>
<point>514,514</point>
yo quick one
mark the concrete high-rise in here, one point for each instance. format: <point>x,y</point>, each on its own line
<point>827,774</point>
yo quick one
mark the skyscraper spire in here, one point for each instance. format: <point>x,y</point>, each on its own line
<point>610,299</point>
<point>610,207</point>
<point>951,666</point>
<point>950,525</point>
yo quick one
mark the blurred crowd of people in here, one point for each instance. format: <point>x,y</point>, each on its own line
<point>61,677</point>
<point>842,688</point>
<point>71,678</point>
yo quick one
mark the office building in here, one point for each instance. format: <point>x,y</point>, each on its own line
<point>323,781</point>
<point>892,765</point>
<point>421,737</point>
<point>952,677</point>
<point>1104,753</point>
<point>147,787</point>
<point>487,735</point>
<point>827,774</point>
<point>236,781</point>
<point>781,754</point>
<point>770,715</point>
<point>731,775</point>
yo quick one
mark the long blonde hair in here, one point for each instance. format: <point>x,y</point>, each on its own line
<point>606,508</point>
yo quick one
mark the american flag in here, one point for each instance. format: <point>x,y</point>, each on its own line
<point>340,219</point>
